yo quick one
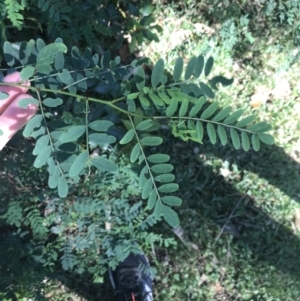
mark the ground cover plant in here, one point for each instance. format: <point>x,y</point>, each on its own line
<point>238,235</point>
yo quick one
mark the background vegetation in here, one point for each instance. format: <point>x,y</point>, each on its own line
<point>240,216</point>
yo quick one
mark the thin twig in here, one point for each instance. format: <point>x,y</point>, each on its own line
<point>229,217</point>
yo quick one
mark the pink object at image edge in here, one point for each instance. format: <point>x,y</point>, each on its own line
<point>14,118</point>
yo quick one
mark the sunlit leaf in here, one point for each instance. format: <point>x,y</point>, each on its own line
<point>40,144</point>
<point>46,55</point>
<point>156,99</point>
<point>33,123</point>
<point>27,72</point>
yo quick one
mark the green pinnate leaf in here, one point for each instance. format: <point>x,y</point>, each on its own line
<point>54,177</point>
<point>168,188</point>
<point>259,127</point>
<point>245,141</point>
<point>178,68</point>
<point>162,168</point>
<point>234,116</point>
<point>104,164</point>
<point>47,53</point>
<point>245,121</point>
<point>210,110</point>
<point>72,134</point>
<point>255,142</point>
<point>222,114</point>
<point>135,153</point>
<point>208,66</point>
<point>52,102</point>
<point>152,199</point>
<point>172,108</point>
<point>172,200</point>
<point>170,216</point>
<point>156,100</point>
<point>147,189</point>
<point>140,78</point>
<point>211,133</point>
<point>24,102</point>
<point>34,122</point>
<point>100,125</point>
<point>164,98</point>
<point>197,107</point>
<point>62,187</point>
<point>42,157</point>
<point>127,137</point>
<point>41,143</point>
<point>222,135</point>
<point>199,66</point>
<point>183,108</point>
<point>158,209</point>
<point>151,141</point>
<point>144,125</point>
<point>207,90</point>
<point>79,163</point>
<point>27,72</point>
<point>165,178</point>
<point>266,138</point>
<point>190,68</point>
<point>235,138</point>
<point>3,95</point>
<point>157,72</point>
<point>199,130</point>
<point>158,158</point>
<point>144,101</point>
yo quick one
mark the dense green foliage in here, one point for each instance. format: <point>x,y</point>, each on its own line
<point>100,142</point>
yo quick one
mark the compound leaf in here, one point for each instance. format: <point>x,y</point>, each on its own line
<point>79,163</point>
<point>157,73</point>
<point>62,187</point>
<point>222,135</point>
<point>211,133</point>
<point>178,68</point>
<point>235,138</point>
<point>170,216</point>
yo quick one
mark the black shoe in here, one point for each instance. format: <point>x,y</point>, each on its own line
<point>130,282</point>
